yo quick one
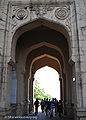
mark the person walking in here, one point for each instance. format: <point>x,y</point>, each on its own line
<point>46,106</point>
<point>60,108</point>
<point>51,111</point>
<point>42,105</point>
<point>36,106</point>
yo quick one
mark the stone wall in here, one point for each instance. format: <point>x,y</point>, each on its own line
<point>75,23</point>
<point>81,74</point>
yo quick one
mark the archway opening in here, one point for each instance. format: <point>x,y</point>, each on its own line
<point>33,47</point>
<point>48,83</point>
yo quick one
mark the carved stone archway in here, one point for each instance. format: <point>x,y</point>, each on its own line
<point>39,62</point>
<point>65,24</point>
<point>38,38</point>
<point>24,43</point>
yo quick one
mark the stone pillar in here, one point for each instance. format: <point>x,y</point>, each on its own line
<point>6,91</point>
<point>13,86</point>
<point>61,89</point>
<point>5,68</point>
<point>68,90</point>
<point>31,94</point>
<point>80,64</point>
<point>64,97</point>
<point>20,92</point>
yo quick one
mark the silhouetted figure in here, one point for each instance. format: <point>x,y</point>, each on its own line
<point>42,105</point>
<point>36,106</point>
<point>51,111</point>
<point>46,106</point>
<point>60,108</point>
<point>55,105</point>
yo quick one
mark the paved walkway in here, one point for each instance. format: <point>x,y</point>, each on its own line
<point>42,116</point>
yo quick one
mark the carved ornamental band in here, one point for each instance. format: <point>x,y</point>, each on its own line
<point>21,14</point>
<point>62,13</point>
<point>32,12</point>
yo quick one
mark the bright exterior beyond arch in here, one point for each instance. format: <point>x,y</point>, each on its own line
<point>48,79</point>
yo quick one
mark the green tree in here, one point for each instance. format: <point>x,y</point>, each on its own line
<point>40,93</point>
<point>48,96</point>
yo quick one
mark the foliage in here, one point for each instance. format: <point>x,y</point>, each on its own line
<point>40,93</point>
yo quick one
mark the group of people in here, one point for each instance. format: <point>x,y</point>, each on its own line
<point>49,106</point>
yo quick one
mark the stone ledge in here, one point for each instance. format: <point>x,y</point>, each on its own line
<point>81,112</point>
<point>27,2</point>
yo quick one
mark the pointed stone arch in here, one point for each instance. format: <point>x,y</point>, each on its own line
<point>37,63</point>
<point>37,23</point>
<point>45,56</point>
<point>58,50</point>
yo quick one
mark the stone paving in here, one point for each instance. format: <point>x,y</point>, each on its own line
<point>32,116</point>
<point>42,116</point>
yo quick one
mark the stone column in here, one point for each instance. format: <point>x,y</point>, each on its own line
<point>80,64</point>
<point>6,91</point>
<point>4,67</point>
<point>13,86</point>
<point>61,89</point>
<point>31,94</point>
<point>20,88</point>
<point>64,90</point>
<point>20,92</point>
<point>68,89</point>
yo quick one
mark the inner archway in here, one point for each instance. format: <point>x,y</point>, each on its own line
<point>48,79</point>
<point>40,62</point>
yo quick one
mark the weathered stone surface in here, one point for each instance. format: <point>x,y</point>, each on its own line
<point>67,17</point>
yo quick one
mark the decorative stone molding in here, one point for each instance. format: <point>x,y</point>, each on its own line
<point>41,10</point>
<point>18,14</point>
<point>27,13</point>
<point>21,14</point>
<point>62,13</point>
<point>11,62</point>
<point>68,24</point>
<point>83,30</point>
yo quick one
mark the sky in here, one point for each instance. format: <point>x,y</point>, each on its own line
<point>48,79</point>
